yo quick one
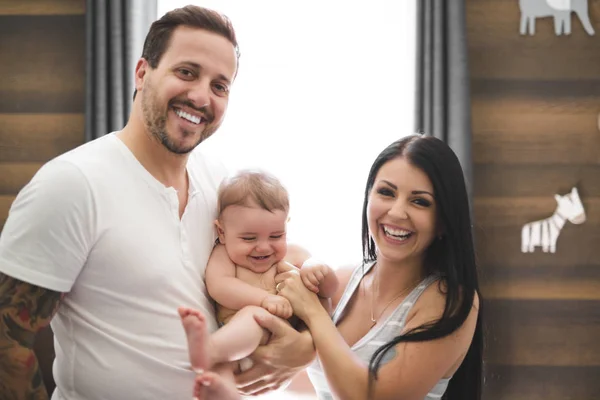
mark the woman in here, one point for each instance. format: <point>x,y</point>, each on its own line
<point>408,323</point>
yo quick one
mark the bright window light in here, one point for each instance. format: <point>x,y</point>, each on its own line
<point>323,87</point>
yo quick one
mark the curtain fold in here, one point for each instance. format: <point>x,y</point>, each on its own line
<point>115,33</point>
<point>443,106</point>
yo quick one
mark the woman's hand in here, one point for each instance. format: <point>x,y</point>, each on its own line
<point>289,285</point>
<point>275,364</point>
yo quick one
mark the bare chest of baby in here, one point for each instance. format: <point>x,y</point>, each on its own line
<point>264,280</point>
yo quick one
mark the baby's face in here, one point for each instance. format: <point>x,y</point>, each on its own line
<point>254,237</point>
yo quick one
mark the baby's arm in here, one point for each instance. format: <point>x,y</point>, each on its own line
<point>317,276</point>
<point>225,288</point>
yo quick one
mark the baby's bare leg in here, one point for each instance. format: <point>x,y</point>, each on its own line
<point>196,331</point>
<point>239,337</point>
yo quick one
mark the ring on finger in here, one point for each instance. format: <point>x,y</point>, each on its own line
<point>277,289</point>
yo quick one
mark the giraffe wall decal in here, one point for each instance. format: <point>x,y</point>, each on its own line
<point>544,233</point>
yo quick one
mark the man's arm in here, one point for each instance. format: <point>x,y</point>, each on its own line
<point>276,363</point>
<point>297,255</point>
<point>24,310</point>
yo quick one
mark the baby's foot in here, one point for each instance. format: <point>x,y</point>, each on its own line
<point>196,331</point>
<point>210,385</point>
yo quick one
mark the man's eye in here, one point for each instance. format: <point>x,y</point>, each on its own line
<point>221,88</point>
<point>186,72</point>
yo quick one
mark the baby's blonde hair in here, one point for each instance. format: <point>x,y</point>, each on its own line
<point>250,188</point>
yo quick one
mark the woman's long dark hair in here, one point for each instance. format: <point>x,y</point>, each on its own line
<point>452,257</point>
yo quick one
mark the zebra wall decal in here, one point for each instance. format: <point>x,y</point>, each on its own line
<point>544,233</point>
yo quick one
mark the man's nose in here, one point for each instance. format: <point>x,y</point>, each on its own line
<point>200,94</point>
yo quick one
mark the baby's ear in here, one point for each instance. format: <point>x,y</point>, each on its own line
<point>220,231</point>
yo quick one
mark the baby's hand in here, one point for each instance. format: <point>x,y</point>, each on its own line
<point>312,275</point>
<point>277,305</point>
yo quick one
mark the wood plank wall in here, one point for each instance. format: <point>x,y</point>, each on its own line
<point>42,86</point>
<point>535,105</point>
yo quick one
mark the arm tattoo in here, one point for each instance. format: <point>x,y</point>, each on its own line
<point>24,310</point>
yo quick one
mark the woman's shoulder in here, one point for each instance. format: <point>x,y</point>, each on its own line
<point>344,275</point>
<point>433,299</point>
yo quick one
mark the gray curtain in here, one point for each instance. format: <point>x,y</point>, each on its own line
<point>115,33</point>
<point>443,107</point>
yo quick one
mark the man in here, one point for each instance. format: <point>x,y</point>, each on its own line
<point>109,239</point>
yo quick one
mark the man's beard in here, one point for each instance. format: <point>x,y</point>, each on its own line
<point>156,122</point>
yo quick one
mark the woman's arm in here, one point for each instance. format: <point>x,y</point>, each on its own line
<point>287,353</point>
<point>413,368</point>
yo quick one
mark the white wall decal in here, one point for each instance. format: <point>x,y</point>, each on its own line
<point>545,233</point>
<point>559,9</point>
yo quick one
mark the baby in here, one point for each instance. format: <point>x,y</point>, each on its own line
<point>240,276</point>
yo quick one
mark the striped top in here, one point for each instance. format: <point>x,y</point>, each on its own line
<point>376,337</point>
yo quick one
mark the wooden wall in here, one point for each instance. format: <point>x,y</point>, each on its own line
<point>42,86</point>
<point>535,106</point>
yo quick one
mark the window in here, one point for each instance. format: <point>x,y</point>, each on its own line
<point>323,87</point>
